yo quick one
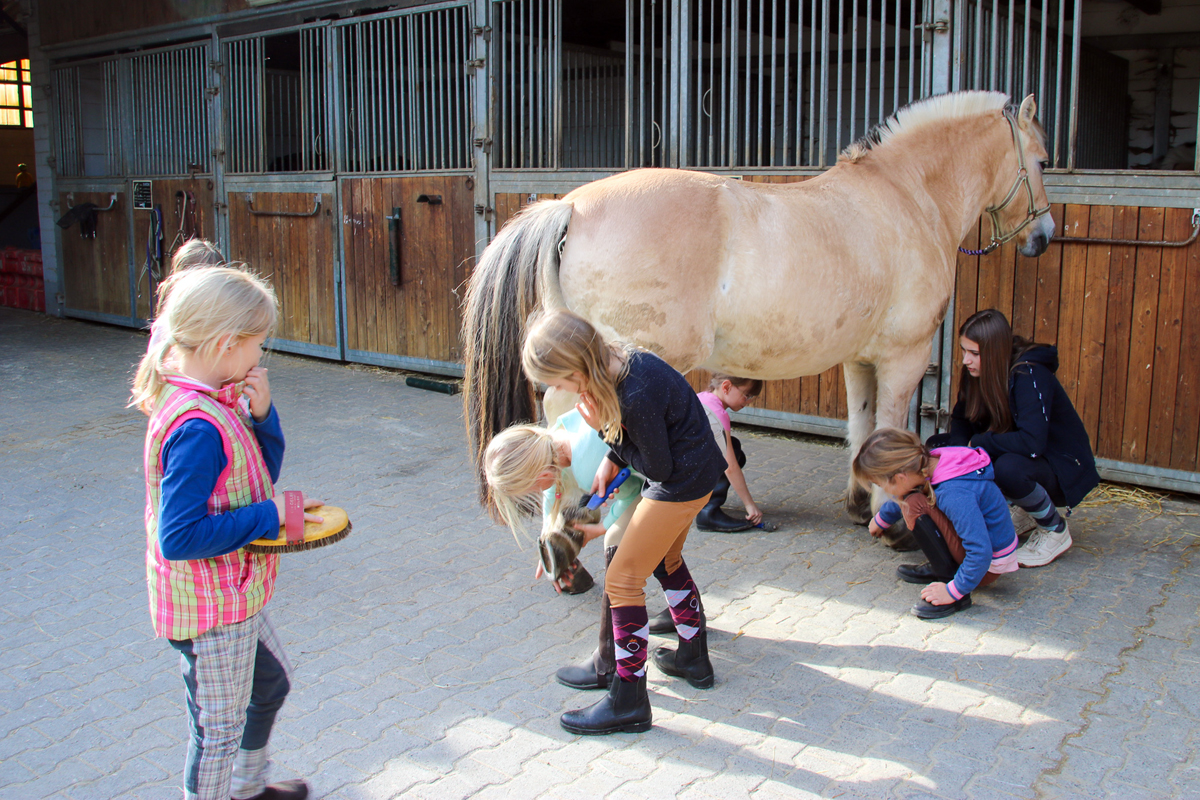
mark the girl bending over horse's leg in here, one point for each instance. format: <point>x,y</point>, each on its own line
<point>968,538</point>
<point>654,423</point>
<point>558,460</point>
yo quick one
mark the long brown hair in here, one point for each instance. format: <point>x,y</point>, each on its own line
<point>986,397</point>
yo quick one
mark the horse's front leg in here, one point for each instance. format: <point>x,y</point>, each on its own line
<point>897,378</point>
<point>860,403</point>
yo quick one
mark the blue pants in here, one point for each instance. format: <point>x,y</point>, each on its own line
<point>235,678</point>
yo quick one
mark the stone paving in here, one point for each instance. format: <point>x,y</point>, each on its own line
<point>424,650</point>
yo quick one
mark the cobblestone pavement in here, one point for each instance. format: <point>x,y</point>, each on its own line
<point>425,650</point>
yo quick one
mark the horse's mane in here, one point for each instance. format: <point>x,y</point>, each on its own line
<point>922,113</point>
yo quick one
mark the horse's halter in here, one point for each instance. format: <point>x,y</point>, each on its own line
<point>1032,212</point>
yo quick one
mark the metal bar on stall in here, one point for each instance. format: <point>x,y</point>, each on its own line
<point>867,73</point>
<point>840,98</point>
<point>1058,86</point>
<point>1025,60</point>
<point>1041,95</point>
<point>824,113</point>
<point>1076,41</point>
<point>853,71</point>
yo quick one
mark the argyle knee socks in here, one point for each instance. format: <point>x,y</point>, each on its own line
<point>684,600</point>
<point>631,634</point>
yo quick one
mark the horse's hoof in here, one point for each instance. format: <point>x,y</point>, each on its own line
<point>858,506</point>
<point>899,538</point>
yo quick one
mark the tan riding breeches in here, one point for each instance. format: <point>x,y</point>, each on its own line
<point>656,532</point>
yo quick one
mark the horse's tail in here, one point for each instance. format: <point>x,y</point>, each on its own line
<point>516,276</point>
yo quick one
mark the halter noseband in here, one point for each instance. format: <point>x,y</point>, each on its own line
<point>1032,212</point>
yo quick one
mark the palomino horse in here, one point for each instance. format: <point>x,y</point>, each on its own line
<point>854,267</point>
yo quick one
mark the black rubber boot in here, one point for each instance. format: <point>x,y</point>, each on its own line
<point>597,670</point>
<point>663,623</point>
<point>712,518</point>
<point>625,709</point>
<point>690,661</point>
<point>930,540</point>
<point>920,573</point>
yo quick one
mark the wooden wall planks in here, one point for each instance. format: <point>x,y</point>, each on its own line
<point>420,318</point>
<point>296,254</point>
<point>1126,321</point>
<point>96,271</point>
<point>163,192</point>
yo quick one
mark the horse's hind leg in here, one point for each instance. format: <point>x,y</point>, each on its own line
<point>860,401</point>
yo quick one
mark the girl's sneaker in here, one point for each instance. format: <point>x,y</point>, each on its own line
<point>1043,547</point>
<point>1022,522</point>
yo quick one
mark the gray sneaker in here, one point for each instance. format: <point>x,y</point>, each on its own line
<point>1022,522</point>
<point>1043,547</point>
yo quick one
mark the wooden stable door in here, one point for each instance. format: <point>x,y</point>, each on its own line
<point>288,237</point>
<point>186,205</point>
<point>96,267</point>
<point>408,246</point>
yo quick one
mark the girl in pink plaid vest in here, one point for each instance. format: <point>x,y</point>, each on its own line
<point>214,448</point>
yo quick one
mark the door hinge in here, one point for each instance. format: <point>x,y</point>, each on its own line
<point>484,211</point>
<point>937,26</point>
<point>483,30</point>
<point>484,144</point>
<point>475,63</point>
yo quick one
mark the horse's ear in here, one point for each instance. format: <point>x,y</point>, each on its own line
<point>1028,111</point>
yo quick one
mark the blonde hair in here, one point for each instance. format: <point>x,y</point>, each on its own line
<point>513,461</point>
<point>559,344</point>
<point>196,253</point>
<point>205,311</point>
<point>886,453</point>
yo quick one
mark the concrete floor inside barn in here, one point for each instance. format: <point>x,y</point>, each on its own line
<point>424,650</point>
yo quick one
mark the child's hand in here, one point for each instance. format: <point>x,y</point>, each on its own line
<point>587,409</point>
<point>258,392</point>
<point>604,475</point>
<point>590,530</point>
<point>753,514</point>
<point>874,528</point>
<point>937,593</point>
<point>309,502</point>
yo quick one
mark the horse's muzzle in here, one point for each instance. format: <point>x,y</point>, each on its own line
<point>1040,234</point>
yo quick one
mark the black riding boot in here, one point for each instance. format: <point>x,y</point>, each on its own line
<point>941,566</point>
<point>663,622</point>
<point>625,709</point>
<point>690,661</point>
<point>598,669</point>
<point>712,518</point>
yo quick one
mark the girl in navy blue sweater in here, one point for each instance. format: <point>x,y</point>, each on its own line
<point>960,478</point>
<point>1011,405</point>
<point>653,422</point>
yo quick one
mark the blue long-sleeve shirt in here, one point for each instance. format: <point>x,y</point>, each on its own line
<point>980,515</point>
<point>193,458</point>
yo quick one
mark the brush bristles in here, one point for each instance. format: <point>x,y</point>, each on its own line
<point>297,548</point>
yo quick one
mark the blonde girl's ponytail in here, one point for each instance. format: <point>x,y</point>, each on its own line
<point>559,344</point>
<point>205,311</point>
<point>512,464</point>
<point>886,453</point>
